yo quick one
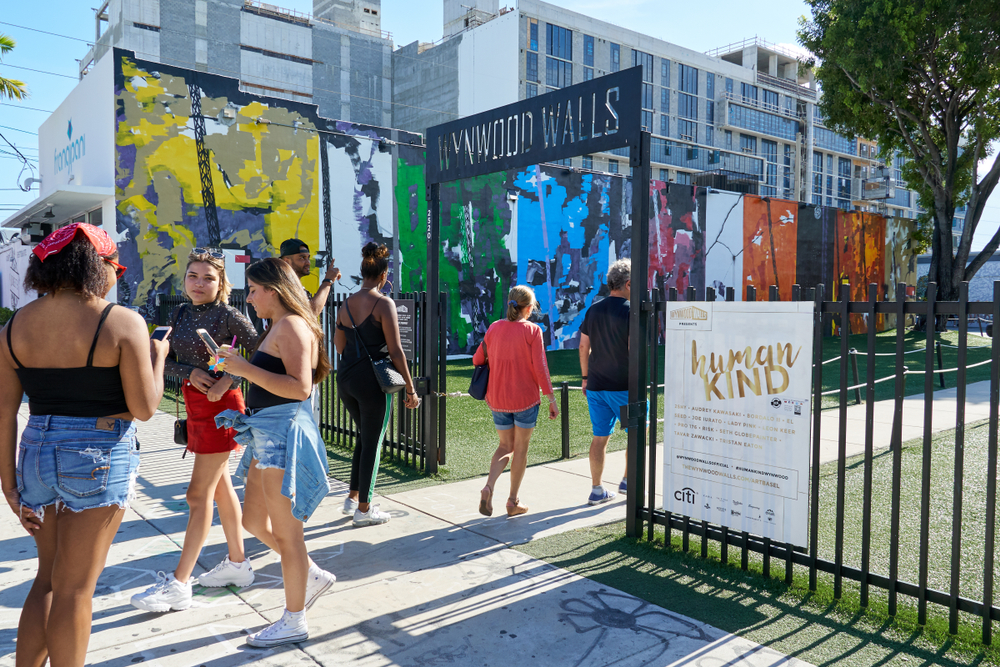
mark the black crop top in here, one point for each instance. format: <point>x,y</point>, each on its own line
<point>88,391</point>
<point>258,397</point>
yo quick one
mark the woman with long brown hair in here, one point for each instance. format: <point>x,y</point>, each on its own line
<point>285,464</point>
<point>207,392</point>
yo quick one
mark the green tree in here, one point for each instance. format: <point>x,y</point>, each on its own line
<point>921,77</point>
<point>10,88</point>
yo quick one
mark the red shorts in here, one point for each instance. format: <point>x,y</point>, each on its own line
<point>203,436</point>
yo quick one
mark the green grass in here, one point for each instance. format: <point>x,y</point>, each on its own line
<point>813,625</point>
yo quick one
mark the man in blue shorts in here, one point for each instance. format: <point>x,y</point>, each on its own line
<point>604,365</point>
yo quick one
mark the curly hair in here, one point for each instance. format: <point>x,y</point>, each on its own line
<point>76,267</point>
<point>374,260</point>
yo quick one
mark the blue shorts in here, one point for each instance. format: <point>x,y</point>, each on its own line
<point>605,409</point>
<point>269,452</point>
<point>68,461</point>
<point>504,421</point>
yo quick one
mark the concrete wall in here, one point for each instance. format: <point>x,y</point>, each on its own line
<point>487,66</point>
<point>425,85</point>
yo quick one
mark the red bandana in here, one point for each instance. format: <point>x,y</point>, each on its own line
<point>62,237</point>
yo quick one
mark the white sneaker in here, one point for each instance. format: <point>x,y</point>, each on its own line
<point>228,573</point>
<point>372,517</point>
<point>166,594</point>
<point>286,630</point>
<point>319,582</point>
<point>350,505</point>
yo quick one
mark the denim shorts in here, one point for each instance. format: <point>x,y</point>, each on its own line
<point>77,462</point>
<point>268,450</point>
<point>504,421</point>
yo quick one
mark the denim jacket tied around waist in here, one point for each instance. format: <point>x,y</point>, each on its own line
<point>305,482</point>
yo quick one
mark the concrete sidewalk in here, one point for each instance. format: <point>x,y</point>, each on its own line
<point>436,585</point>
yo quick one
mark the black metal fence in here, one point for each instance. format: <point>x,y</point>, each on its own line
<point>408,439</point>
<point>909,573</point>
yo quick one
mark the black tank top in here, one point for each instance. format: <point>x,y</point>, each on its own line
<point>258,397</point>
<point>88,391</point>
<point>367,336</point>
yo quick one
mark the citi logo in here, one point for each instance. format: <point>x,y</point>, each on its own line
<point>684,495</point>
<point>72,152</point>
<point>689,313</point>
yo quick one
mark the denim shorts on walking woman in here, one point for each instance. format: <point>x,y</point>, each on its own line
<point>76,462</point>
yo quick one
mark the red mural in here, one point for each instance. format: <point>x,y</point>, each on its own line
<point>770,249</point>
<point>859,259</point>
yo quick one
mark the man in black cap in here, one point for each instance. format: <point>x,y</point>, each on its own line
<point>296,253</point>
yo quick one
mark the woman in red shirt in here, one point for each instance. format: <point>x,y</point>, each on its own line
<point>515,352</point>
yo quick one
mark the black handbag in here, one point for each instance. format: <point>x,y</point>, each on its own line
<point>389,379</point>
<point>480,378</point>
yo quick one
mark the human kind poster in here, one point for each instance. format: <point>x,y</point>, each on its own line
<point>737,415</point>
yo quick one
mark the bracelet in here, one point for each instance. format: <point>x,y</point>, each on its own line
<point>411,393</point>
<point>584,377</point>
<point>326,280</point>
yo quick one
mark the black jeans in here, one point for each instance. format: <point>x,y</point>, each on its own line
<point>369,407</point>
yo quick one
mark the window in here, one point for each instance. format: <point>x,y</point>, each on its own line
<point>613,166</point>
<point>558,73</point>
<point>531,73</point>
<point>684,177</point>
<point>748,143</point>
<point>588,50</point>
<point>817,162</point>
<point>664,175</point>
<point>789,105</point>
<point>832,141</point>
<point>687,130</point>
<point>665,73</point>
<point>647,120</point>
<point>687,106</point>
<point>664,100</point>
<point>748,92</point>
<point>665,125</point>
<point>689,78</point>
<point>616,57</point>
<point>647,96</point>
<point>710,86</point>
<point>763,122</point>
<point>709,135</point>
<point>769,150</point>
<point>558,42</point>
<point>588,161</point>
<point>531,90</point>
<point>729,139</point>
<point>533,34</point>
<point>770,99</point>
<point>646,60</point>
<point>588,73</point>
<point>729,85</point>
<point>710,111</point>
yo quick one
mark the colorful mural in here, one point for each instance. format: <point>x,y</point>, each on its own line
<point>676,238</point>
<point>769,245</point>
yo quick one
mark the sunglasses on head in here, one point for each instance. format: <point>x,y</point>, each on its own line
<point>214,252</point>
<point>119,269</point>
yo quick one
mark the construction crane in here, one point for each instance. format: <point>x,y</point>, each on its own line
<point>204,168</point>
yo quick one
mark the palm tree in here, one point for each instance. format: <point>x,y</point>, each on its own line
<point>10,88</point>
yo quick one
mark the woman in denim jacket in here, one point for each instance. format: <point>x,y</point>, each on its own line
<point>285,461</point>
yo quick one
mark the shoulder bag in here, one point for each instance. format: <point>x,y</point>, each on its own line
<point>480,377</point>
<point>389,379</point>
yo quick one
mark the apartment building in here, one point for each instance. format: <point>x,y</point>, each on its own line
<point>337,58</point>
<point>741,117</point>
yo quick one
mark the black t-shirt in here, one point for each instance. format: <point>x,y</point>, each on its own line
<point>606,323</point>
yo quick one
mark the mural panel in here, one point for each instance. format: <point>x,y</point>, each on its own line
<point>769,245</point>
<point>859,259</point>
<point>677,238</point>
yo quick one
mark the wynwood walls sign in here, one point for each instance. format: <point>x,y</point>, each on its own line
<point>589,117</point>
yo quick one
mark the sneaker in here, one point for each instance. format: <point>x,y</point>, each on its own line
<point>372,517</point>
<point>228,573</point>
<point>286,630</point>
<point>166,594</point>
<point>601,497</point>
<point>319,582</point>
<point>623,487</point>
<point>350,506</point>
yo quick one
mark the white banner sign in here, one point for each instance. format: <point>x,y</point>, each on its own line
<point>736,415</point>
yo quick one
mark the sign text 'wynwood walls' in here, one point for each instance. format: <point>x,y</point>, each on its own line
<point>589,117</point>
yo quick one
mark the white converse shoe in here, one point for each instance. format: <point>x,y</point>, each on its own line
<point>166,594</point>
<point>349,505</point>
<point>372,517</point>
<point>228,573</point>
<point>290,628</point>
<point>319,582</point>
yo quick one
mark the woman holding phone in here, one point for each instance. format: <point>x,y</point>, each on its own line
<point>207,392</point>
<point>89,371</point>
<point>285,463</point>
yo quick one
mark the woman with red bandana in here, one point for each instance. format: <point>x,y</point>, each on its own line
<point>89,370</point>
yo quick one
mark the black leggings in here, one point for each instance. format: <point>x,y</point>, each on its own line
<point>368,406</point>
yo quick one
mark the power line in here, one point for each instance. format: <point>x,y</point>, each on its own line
<point>45,32</point>
<point>18,130</point>
<point>15,106</point>
<point>41,71</point>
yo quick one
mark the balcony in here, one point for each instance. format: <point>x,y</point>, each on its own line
<point>763,106</point>
<point>786,85</point>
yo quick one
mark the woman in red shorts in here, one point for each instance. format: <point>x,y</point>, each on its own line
<point>206,393</point>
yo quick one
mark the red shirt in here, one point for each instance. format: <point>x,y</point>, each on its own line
<point>518,368</point>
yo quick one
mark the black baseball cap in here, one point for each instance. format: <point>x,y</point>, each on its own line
<point>293,247</point>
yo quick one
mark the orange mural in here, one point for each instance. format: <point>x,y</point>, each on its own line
<point>859,259</point>
<point>769,245</point>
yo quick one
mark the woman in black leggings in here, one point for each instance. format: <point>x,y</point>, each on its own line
<point>367,325</point>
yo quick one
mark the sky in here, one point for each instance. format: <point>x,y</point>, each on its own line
<point>689,24</point>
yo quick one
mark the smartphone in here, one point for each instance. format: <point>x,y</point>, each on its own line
<point>160,333</point>
<point>320,258</point>
<point>207,337</point>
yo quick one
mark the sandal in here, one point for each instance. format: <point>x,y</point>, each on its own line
<point>514,507</point>
<point>486,501</point>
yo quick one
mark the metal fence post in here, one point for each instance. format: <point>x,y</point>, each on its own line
<point>564,419</point>
<point>940,360</point>
<point>857,377</point>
